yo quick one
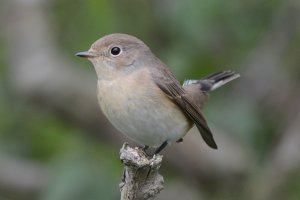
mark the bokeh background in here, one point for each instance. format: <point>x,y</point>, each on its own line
<point>56,145</point>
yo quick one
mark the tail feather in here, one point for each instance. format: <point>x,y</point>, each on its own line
<point>214,81</point>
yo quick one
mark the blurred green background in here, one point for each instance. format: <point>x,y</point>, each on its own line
<point>56,145</point>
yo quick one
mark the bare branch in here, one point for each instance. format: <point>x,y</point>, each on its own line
<point>141,178</point>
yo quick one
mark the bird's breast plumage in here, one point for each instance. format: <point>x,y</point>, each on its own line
<point>140,110</point>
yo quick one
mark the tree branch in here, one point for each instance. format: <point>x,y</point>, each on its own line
<point>141,178</point>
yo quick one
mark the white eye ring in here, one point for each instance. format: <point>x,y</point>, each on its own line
<point>115,51</point>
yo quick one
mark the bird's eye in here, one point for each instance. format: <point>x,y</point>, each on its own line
<point>115,51</point>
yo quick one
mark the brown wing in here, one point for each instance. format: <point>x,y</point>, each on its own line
<point>168,83</point>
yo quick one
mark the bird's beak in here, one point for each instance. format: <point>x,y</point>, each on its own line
<point>86,54</point>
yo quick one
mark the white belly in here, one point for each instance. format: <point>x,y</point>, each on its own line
<point>144,114</point>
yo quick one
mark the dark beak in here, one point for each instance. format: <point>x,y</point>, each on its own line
<point>86,54</point>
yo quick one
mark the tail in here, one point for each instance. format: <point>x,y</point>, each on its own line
<point>214,81</point>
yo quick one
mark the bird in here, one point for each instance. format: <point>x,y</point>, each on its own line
<point>143,99</point>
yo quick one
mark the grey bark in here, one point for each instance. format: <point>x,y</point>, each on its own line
<point>141,179</point>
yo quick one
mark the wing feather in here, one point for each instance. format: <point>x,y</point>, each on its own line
<point>167,82</point>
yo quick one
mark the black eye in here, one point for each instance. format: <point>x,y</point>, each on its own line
<point>115,51</point>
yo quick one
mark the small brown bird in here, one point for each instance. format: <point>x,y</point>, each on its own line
<point>142,98</point>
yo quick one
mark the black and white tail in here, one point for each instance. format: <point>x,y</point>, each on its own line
<point>214,81</point>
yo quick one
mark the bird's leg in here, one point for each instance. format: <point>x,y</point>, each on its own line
<point>145,147</point>
<point>180,140</point>
<point>161,147</point>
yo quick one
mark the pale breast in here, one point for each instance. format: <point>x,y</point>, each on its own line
<point>140,110</point>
